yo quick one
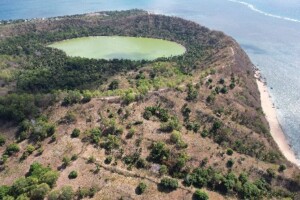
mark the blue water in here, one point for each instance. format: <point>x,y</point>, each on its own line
<point>268,30</point>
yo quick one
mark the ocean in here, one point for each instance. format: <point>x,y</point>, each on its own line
<point>268,31</point>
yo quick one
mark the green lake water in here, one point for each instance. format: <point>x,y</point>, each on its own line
<point>118,47</point>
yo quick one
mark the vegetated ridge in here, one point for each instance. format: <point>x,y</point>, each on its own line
<point>185,127</point>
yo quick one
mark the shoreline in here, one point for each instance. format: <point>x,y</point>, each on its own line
<point>271,116</point>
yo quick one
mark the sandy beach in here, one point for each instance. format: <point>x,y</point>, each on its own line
<point>271,115</point>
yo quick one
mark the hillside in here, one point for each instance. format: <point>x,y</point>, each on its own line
<point>85,128</point>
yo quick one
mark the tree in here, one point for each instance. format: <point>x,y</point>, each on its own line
<point>200,195</point>
<point>40,191</point>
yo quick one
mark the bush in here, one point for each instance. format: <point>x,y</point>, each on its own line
<point>66,161</point>
<point>171,125</point>
<point>250,191</point>
<point>230,163</point>
<point>271,173</point>
<point>243,178</point>
<point>75,133</point>
<point>73,175</point>
<point>72,97</point>
<point>282,167</point>
<point>40,191</point>
<point>50,178</point>
<point>163,170</point>
<point>74,157</point>
<point>4,190</point>
<point>229,152</point>
<point>169,184</point>
<point>91,159</point>
<point>87,96</point>
<point>204,133</point>
<point>30,149</point>
<point>130,134</point>
<point>192,93</point>
<point>86,192</point>
<point>200,195</point>
<point>175,137</point>
<point>108,160</point>
<point>141,188</point>
<point>159,152</point>
<point>2,140</point>
<point>12,149</point>
<point>113,85</point>
<point>65,193</point>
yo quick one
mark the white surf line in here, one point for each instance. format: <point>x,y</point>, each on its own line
<point>252,7</point>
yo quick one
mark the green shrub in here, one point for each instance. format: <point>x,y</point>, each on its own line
<point>4,191</point>
<point>50,178</point>
<point>171,125</point>
<point>40,192</point>
<point>175,137</point>
<point>204,133</point>
<point>73,175</point>
<point>163,170</point>
<point>243,178</point>
<point>113,85</point>
<point>130,133</point>
<point>108,160</point>
<point>192,93</point>
<point>12,149</point>
<point>74,157</point>
<point>66,193</point>
<point>91,159</point>
<point>230,163</point>
<point>72,97</point>
<point>141,188</point>
<point>66,161</point>
<point>86,192</point>
<point>75,133</point>
<point>224,90</point>
<point>169,184</point>
<point>30,149</point>
<point>159,152</point>
<point>222,81</point>
<point>141,163</point>
<point>87,96</point>
<point>250,191</point>
<point>54,195</point>
<point>271,172</point>
<point>229,152</point>
<point>2,140</point>
<point>282,167</point>
<point>200,195</point>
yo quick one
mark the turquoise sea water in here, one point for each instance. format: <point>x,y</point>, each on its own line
<point>269,31</point>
